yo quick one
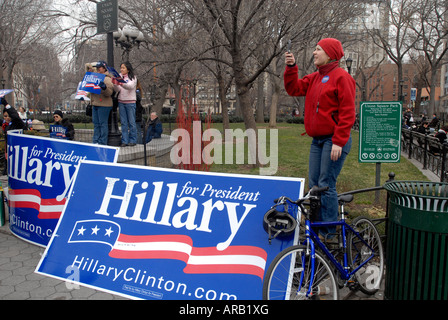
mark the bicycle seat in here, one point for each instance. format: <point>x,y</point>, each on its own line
<point>347,198</point>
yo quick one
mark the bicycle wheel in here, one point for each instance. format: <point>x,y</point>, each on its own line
<point>290,274</point>
<point>370,275</point>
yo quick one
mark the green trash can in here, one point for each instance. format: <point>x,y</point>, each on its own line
<point>417,241</point>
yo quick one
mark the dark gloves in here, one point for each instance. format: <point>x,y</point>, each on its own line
<point>102,85</point>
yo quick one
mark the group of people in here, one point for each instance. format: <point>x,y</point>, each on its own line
<point>430,128</point>
<point>410,122</point>
<point>128,94</point>
<point>17,120</point>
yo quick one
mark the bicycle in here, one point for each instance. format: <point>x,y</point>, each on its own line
<point>307,270</point>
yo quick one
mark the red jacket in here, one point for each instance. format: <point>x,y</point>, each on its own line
<point>329,103</point>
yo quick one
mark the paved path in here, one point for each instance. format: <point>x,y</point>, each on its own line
<point>18,260</point>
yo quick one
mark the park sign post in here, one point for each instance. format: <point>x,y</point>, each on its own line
<point>380,132</point>
<point>107,16</point>
<point>380,135</point>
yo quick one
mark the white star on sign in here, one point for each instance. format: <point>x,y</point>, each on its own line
<point>95,230</point>
<point>81,231</point>
<point>108,232</point>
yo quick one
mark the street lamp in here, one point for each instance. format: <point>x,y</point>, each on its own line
<point>127,38</point>
<point>348,63</point>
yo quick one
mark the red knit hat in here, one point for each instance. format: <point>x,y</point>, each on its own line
<point>332,47</point>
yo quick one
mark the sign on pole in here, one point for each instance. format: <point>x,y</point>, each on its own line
<point>380,132</point>
<point>107,16</point>
<point>413,94</point>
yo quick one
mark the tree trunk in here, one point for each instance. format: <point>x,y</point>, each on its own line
<point>260,99</point>
<point>273,109</point>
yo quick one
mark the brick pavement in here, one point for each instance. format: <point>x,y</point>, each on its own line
<point>18,260</point>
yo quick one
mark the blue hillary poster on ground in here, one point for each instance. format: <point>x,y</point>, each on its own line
<point>40,173</point>
<point>151,233</point>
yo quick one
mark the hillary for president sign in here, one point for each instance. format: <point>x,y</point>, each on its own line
<point>91,82</point>
<point>41,171</point>
<point>150,233</point>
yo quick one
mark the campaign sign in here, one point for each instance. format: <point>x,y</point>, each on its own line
<point>81,94</point>
<point>4,92</point>
<point>91,82</point>
<point>41,171</point>
<point>115,75</point>
<point>58,132</point>
<point>152,233</point>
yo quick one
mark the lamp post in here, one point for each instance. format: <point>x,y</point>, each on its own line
<point>348,63</point>
<point>401,90</point>
<point>195,82</point>
<point>114,134</point>
<point>126,38</point>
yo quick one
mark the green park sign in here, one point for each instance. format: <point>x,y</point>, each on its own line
<point>107,16</point>
<point>380,132</point>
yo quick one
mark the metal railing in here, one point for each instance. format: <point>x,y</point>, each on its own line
<point>427,150</point>
<point>155,153</point>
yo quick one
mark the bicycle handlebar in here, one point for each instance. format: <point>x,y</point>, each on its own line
<point>314,192</point>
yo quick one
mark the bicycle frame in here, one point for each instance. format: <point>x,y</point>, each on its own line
<point>312,239</point>
<point>344,269</point>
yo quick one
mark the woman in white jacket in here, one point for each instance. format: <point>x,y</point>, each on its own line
<point>127,104</point>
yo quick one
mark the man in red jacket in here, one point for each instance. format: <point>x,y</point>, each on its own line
<point>329,116</point>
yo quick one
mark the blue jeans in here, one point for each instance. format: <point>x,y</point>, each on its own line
<point>323,172</point>
<point>128,125</point>
<point>100,118</point>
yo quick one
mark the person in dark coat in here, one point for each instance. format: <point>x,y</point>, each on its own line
<point>154,128</point>
<point>11,121</point>
<point>59,120</point>
<point>11,118</point>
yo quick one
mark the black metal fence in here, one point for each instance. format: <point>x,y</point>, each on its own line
<point>427,150</point>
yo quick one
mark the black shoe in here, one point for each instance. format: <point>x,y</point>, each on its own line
<point>123,145</point>
<point>131,144</point>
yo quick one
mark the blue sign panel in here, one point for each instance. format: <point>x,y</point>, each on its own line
<point>91,82</point>
<point>41,171</point>
<point>58,132</point>
<point>4,92</point>
<point>150,233</point>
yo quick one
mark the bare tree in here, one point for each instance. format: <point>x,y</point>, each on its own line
<point>313,22</point>
<point>399,38</point>
<point>40,78</point>
<point>431,31</point>
<point>24,24</point>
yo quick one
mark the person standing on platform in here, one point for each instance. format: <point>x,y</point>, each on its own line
<point>127,99</point>
<point>329,117</point>
<point>101,106</point>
